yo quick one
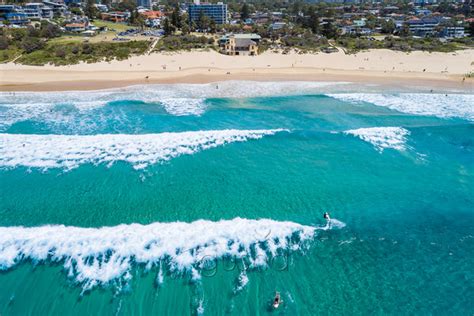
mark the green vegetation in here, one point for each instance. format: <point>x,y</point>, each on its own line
<point>40,46</point>
<point>112,26</point>
<point>306,43</point>
<point>408,44</point>
<point>184,42</point>
<point>59,54</point>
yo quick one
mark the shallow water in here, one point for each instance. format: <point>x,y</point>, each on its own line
<point>398,173</point>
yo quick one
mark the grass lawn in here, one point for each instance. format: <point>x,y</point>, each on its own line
<point>112,30</point>
<point>114,27</point>
<point>8,54</point>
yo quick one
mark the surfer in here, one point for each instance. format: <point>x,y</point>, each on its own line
<point>326,216</point>
<point>277,300</point>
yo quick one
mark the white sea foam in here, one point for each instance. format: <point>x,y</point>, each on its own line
<point>176,99</point>
<point>440,105</point>
<point>382,137</point>
<point>65,151</point>
<point>242,282</point>
<point>184,106</point>
<point>97,256</point>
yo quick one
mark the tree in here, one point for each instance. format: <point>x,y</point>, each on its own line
<point>3,42</point>
<point>167,27</point>
<point>136,19</point>
<point>245,11</point>
<point>329,30</point>
<point>212,27</point>
<point>371,22</point>
<point>176,18</point>
<point>30,44</point>
<point>49,30</point>
<point>125,5</point>
<point>90,10</point>
<point>404,31</point>
<point>388,27</point>
<point>185,28</point>
<point>32,31</point>
<point>204,22</point>
<point>76,11</point>
<point>471,29</point>
<point>313,22</point>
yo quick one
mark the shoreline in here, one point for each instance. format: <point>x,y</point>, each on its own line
<point>419,70</point>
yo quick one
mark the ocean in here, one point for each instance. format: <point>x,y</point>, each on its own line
<point>206,199</point>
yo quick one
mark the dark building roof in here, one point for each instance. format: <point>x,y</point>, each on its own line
<point>244,42</point>
<point>424,21</point>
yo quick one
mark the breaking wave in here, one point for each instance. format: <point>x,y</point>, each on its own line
<point>176,99</point>
<point>382,137</point>
<point>440,105</point>
<point>68,152</point>
<point>98,256</point>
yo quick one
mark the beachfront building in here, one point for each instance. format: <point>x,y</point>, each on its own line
<point>75,27</point>
<point>240,44</point>
<point>453,32</point>
<point>38,10</point>
<point>59,9</point>
<point>215,11</point>
<point>13,14</point>
<point>423,27</point>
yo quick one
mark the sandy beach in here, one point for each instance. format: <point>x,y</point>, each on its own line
<point>443,70</point>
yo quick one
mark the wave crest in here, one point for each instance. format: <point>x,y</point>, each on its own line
<point>440,105</point>
<point>68,152</point>
<point>382,137</point>
<point>97,256</point>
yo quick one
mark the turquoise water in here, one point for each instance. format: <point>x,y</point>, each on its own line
<point>405,193</point>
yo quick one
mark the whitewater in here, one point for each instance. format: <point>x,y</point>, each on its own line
<point>68,152</point>
<point>96,256</point>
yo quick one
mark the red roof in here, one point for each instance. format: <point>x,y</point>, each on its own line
<point>152,14</point>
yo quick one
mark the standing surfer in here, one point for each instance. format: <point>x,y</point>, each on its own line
<point>277,300</point>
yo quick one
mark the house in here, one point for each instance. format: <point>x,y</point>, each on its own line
<point>240,44</point>
<point>38,10</point>
<point>453,32</point>
<point>17,18</point>
<point>75,27</point>
<point>101,7</point>
<point>13,14</point>
<point>58,8</point>
<point>360,23</point>
<point>277,26</point>
<point>424,26</point>
<point>114,16</point>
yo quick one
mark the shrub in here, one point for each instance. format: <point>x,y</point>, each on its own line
<point>86,48</point>
<point>60,52</point>
<point>30,44</point>
<point>3,42</point>
<point>50,31</point>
